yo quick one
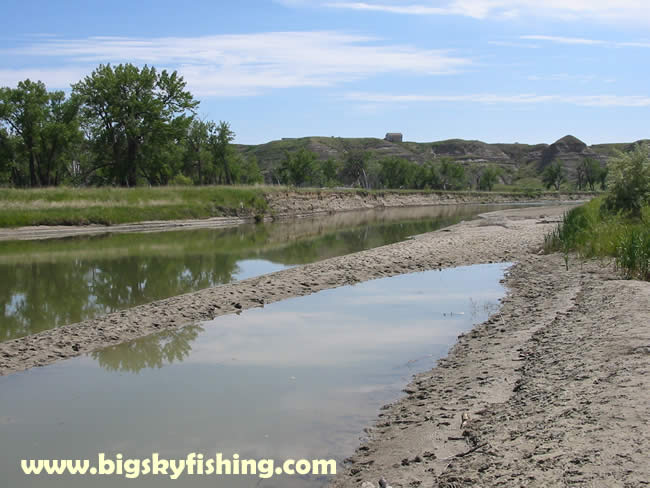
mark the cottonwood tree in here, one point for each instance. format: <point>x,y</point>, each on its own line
<point>44,127</point>
<point>554,175</point>
<point>629,181</point>
<point>397,173</point>
<point>300,168</point>
<point>128,112</point>
<point>198,157</point>
<point>220,138</point>
<point>488,177</point>
<point>592,169</point>
<point>451,174</point>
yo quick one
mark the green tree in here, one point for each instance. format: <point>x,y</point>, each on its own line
<point>427,177</point>
<point>554,175</point>
<point>593,170</point>
<point>300,168</point>
<point>8,173</point>
<point>330,170</point>
<point>488,177</point>
<point>629,181</point>
<point>354,171</point>
<point>45,125</point>
<point>220,138</point>
<point>198,158</point>
<point>250,173</point>
<point>602,177</point>
<point>452,175</point>
<point>127,112</point>
<point>397,173</point>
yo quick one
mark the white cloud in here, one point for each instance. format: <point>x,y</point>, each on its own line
<point>54,78</point>
<point>565,40</point>
<point>243,64</point>
<point>492,99</point>
<point>563,77</point>
<point>585,42</point>
<point>514,44</point>
<point>608,11</point>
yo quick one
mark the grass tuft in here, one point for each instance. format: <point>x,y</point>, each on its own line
<point>590,231</point>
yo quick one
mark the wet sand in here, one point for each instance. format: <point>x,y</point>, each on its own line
<point>552,390</point>
<point>496,237</point>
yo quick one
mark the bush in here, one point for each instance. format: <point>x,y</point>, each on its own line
<point>633,253</point>
<point>592,231</point>
<point>181,180</point>
<point>628,181</point>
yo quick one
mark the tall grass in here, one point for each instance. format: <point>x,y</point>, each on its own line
<point>591,231</point>
<point>80,206</point>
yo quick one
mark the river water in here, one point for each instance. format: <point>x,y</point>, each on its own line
<point>45,284</point>
<point>300,378</point>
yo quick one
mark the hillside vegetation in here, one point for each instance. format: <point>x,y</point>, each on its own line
<point>133,126</point>
<point>519,165</point>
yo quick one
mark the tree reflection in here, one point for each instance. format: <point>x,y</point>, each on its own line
<point>45,284</point>
<point>153,351</point>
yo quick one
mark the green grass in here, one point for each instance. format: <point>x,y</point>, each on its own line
<point>110,206</point>
<point>73,206</point>
<point>590,231</point>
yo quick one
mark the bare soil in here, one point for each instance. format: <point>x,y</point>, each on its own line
<point>552,390</point>
<point>498,236</point>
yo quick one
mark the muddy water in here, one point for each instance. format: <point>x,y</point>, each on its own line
<point>45,284</point>
<point>297,379</point>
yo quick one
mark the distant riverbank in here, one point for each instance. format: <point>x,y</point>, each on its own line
<point>58,212</point>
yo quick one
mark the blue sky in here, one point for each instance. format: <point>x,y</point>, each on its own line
<point>496,70</point>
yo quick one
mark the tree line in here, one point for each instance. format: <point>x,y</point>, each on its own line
<point>589,174</point>
<point>122,126</point>
<point>359,169</point>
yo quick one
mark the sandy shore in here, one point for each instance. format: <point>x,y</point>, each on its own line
<point>551,391</point>
<point>498,236</point>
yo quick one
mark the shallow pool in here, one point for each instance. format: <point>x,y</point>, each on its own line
<point>299,378</point>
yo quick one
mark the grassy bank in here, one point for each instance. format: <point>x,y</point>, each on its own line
<point>109,206</point>
<point>74,206</point>
<point>592,231</point>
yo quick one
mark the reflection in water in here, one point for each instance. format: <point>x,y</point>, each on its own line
<point>297,379</point>
<point>46,284</point>
<point>152,351</point>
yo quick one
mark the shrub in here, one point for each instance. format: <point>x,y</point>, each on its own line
<point>628,181</point>
<point>633,253</point>
<point>181,180</point>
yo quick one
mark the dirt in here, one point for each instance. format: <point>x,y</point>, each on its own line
<point>551,391</point>
<point>283,205</point>
<point>498,236</point>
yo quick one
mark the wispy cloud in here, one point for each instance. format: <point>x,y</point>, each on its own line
<point>493,99</point>
<point>563,77</point>
<point>600,10</point>
<point>242,64</point>
<point>522,45</point>
<point>565,40</point>
<point>586,42</point>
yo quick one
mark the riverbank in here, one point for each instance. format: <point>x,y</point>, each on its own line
<point>551,390</point>
<point>499,236</point>
<point>61,212</point>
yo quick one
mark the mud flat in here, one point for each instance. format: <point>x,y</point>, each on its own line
<point>552,390</point>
